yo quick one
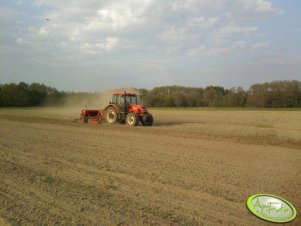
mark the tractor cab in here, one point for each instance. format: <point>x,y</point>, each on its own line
<point>124,99</point>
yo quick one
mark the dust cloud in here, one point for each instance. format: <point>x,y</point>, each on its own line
<point>96,100</point>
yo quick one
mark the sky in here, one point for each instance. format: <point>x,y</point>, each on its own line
<point>94,45</point>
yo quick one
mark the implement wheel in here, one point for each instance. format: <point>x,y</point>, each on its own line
<point>132,119</point>
<point>111,115</point>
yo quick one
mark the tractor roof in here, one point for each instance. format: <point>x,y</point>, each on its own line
<point>127,94</point>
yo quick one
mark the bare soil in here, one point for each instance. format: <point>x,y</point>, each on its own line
<point>190,168</point>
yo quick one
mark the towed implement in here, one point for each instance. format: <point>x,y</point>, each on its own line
<point>123,108</point>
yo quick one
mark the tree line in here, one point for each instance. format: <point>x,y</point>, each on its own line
<point>36,94</point>
<point>277,94</point>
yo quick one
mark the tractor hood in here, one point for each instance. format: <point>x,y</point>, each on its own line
<point>138,109</point>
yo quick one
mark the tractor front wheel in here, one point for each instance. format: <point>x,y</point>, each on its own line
<point>147,119</point>
<point>132,119</point>
<point>83,119</point>
<point>111,115</point>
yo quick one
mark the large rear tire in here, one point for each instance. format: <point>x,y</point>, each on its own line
<point>132,119</point>
<point>111,115</point>
<point>147,119</point>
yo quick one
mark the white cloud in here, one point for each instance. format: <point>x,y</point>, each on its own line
<point>108,44</point>
<point>87,25</point>
<point>235,7</point>
<point>265,6</point>
<point>174,35</point>
<point>180,24</point>
<point>43,31</point>
<point>202,22</point>
<point>229,34</point>
<point>230,30</point>
<point>203,50</point>
<point>260,45</point>
<point>7,13</point>
<point>237,46</point>
<point>190,28</point>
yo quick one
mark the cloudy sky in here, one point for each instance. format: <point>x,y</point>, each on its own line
<point>92,45</point>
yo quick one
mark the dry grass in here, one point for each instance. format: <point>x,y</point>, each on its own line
<point>190,168</point>
<point>266,127</point>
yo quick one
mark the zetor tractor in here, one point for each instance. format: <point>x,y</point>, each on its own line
<point>123,108</point>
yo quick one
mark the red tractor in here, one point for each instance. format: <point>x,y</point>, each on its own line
<point>123,108</point>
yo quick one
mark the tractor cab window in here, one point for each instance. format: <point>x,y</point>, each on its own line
<point>131,99</point>
<point>119,100</point>
<point>114,99</point>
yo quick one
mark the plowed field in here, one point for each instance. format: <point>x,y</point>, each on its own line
<point>193,167</point>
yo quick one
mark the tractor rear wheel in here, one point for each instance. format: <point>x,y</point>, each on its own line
<point>111,115</point>
<point>132,119</point>
<point>147,119</point>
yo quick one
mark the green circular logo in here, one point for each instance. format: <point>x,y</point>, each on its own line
<point>271,208</point>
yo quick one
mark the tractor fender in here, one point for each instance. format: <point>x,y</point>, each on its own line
<point>114,106</point>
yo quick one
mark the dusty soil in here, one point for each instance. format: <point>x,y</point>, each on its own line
<point>190,168</point>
